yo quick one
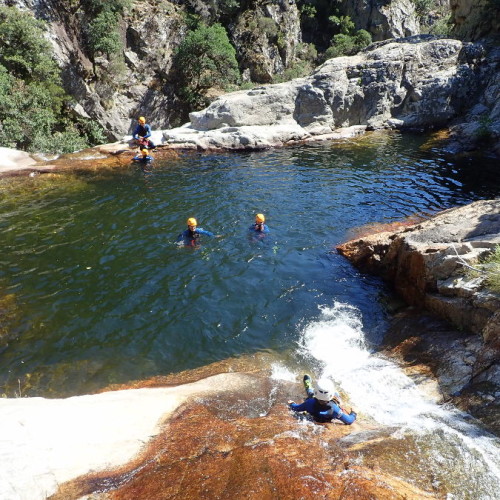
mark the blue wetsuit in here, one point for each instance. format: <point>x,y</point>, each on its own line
<point>192,238</point>
<point>143,132</point>
<point>254,228</point>
<point>143,159</point>
<point>324,413</point>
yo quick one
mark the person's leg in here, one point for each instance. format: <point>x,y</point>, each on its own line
<point>308,386</point>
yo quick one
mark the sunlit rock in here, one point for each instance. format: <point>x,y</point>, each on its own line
<point>13,159</point>
<point>404,83</point>
<point>427,264</point>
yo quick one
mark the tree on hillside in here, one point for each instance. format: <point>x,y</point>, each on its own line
<point>349,41</point>
<point>205,59</point>
<point>33,111</point>
<point>24,51</point>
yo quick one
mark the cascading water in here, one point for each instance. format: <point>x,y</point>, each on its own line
<point>96,292</point>
<point>441,447</point>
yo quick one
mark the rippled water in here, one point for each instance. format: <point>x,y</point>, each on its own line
<point>98,292</point>
<point>434,447</point>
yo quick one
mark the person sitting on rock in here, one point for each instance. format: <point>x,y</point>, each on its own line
<point>142,134</point>
<point>323,403</point>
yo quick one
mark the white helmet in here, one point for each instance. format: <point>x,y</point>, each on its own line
<point>324,390</point>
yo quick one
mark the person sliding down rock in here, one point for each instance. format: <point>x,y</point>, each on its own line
<point>323,403</point>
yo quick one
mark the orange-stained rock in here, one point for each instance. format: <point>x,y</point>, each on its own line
<point>246,445</point>
<point>425,263</point>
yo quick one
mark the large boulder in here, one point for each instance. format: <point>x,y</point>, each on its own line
<point>383,18</point>
<point>407,83</point>
<point>426,263</point>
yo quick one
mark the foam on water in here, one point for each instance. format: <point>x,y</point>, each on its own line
<point>378,389</point>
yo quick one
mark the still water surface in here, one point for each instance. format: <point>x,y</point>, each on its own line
<point>102,294</point>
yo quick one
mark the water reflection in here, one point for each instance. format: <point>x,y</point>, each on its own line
<point>106,296</point>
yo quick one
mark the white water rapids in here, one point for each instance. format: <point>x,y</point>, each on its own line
<point>444,449</point>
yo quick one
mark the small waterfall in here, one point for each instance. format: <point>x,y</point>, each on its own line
<point>440,442</point>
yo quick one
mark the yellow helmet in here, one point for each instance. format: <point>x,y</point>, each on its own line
<point>142,119</point>
<point>260,218</point>
<point>192,221</point>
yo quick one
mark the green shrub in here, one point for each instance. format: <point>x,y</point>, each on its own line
<point>23,49</point>
<point>423,7</point>
<point>205,59</point>
<point>343,23</point>
<point>306,57</point>
<point>308,11</point>
<point>268,26</point>
<point>492,268</point>
<point>483,131</point>
<point>102,32</point>
<point>441,26</point>
<point>297,70</point>
<point>493,278</point>
<point>33,105</point>
<point>103,36</point>
<point>95,7</point>
<point>307,52</point>
<point>348,45</point>
<point>363,39</point>
<point>489,269</point>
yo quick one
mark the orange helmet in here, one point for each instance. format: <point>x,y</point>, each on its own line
<point>260,218</point>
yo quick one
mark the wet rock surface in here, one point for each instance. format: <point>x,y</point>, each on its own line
<point>246,444</point>
<point>426,263</point>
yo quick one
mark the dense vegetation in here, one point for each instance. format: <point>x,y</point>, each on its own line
<point>102,31</point>
<point>35,112</point>
<point>205,59</point>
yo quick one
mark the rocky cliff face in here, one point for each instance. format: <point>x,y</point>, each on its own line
<point>115,93</point>
<point>383,19</point>
<point>266,36</point>
<point>427,263</point>
<point>266,39</point>
<point>474,19</point>
<point>416,82</point>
